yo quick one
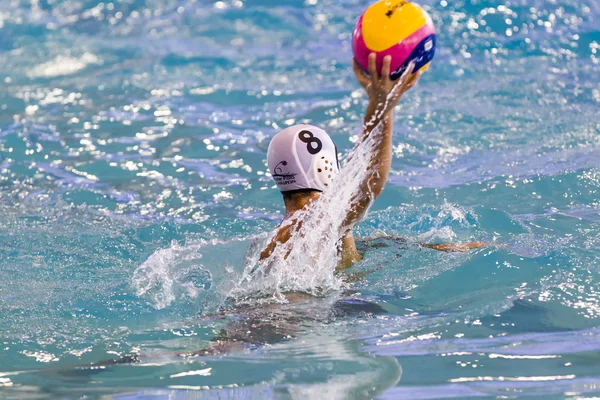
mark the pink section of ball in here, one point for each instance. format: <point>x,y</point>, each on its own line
<point>361,52</point>
<point>399,52</point>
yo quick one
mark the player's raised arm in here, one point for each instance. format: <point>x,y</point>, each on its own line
<point>384,94</point>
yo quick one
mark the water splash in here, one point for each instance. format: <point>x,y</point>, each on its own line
<point>205,271</point>
<point>202,272</point>
<point>307,263</point>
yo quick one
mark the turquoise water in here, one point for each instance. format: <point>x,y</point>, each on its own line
<point>133,139</point>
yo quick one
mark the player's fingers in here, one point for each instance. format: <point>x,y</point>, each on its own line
<point>397,90</point>
<point>360,74</point>
<point>405,82</point>
<point>414,79</point>
<point>407,72</point>
<point>385,69</point>
<point>373,69</point>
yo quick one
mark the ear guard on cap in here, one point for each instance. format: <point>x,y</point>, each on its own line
<point>302,157</point>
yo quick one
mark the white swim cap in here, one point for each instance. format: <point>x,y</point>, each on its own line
<point>302,157</point>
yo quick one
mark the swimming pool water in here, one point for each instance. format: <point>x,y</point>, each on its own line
<point>133,134</point>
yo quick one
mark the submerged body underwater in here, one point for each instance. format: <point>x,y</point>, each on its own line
<point>135,197</point>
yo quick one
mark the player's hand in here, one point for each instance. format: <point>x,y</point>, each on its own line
<point>384,93</point>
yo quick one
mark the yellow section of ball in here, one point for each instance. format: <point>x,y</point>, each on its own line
<point>388,22</point>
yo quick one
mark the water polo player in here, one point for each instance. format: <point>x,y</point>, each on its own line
<point>303,161</point>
